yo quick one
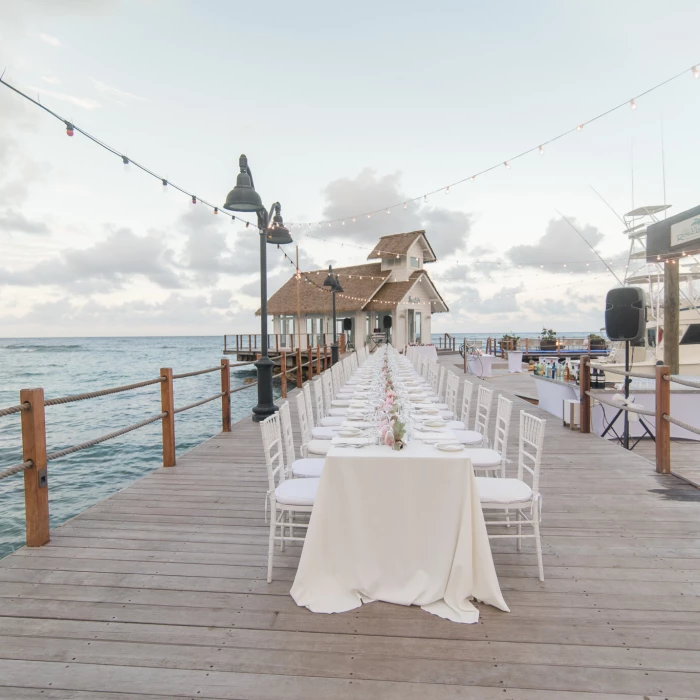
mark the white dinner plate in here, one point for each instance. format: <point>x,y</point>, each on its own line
<point>349,432</point>
<point>450,447</point>
<point>435,423</point>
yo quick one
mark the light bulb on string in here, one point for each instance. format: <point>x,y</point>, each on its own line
<point>404,205</point>
<point>388,211</point>
<point>541,149</point>
<point>507,164</point>
<point>70,130</point>
<point>369,216</point>
<point>125,160</point>
<point>633,105</point>
<point>216,210</point>
<point>579,127</point>
<point>164,189</point>
<point>696,72</point>
<point>447,191</point>
<point>194,199</point>
<point>425,197</point>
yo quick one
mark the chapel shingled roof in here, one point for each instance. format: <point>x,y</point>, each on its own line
<point>399,244</point>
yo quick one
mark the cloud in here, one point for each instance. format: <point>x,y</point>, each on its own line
<point>115,94</point>
<point>560,244</point>
<point>14,222</point>
<point>50,80</point>
<point>446,229</point>
<point>51,40</point>
<point>84,102</point>
<point>105,266</point>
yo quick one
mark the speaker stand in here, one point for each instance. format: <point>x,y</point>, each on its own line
<point>624,439</point>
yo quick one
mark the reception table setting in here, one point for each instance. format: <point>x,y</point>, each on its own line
<point>397,515</point>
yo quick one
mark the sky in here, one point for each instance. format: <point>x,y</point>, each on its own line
<point>341,108</point>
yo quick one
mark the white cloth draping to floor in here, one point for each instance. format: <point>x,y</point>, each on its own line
<point>403,527</point>
<point>515,360</point>
<point>415,351</point>
<point>480,365</point>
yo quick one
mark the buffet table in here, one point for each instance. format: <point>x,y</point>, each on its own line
<point>403,527</point>
<point>553,392</point>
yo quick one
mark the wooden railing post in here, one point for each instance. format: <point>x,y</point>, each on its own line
<point>167,405</point>
<point>584,382</point>
<point>325,355</point>
<point>226,398</point>
<point>342,344</point>
<point>527,346</point>
<point>277,342</point>
<point>36,486</point>
<point>310,360</point>
<point>328,355</point>
<point>318,359</point>
<point>224,342</point>
<point>299,370</point>
<point>283,376</point>
<point>663,427</point>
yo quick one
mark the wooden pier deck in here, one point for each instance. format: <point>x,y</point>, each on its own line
<point>159,592</point>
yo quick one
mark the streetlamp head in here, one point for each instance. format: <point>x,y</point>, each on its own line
<point>338,288</point>
<point>330,280</point>
<point>278,233</point>
<point>243,196</point>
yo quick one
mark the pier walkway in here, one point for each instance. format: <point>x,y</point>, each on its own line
<point>159,592</point>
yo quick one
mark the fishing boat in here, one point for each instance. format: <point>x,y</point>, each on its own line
<point>640,272</point>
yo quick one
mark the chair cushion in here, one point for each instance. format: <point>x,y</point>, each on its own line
<point>318,447</point>
<point>446,415</point>
<point>309,467</point>
<point>297,492</point>
<point>469,437</point>
<point>484,458</point>
<point>502,491</point>
<point>456,425</point>
<point>324,433</point>
<point>332,420</point>
<point>338,412</point>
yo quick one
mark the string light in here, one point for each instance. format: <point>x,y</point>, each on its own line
<point>447,191</point>
<point>579,127</point>
<point>696,72</point>
<point>165,186</point>
<point>507,164</point>
<point>194,200</point>
<point>125,160</point>
<point>404,205</point>
<point>425,197</point>
<point>541,150</point>
<point>633,105</point>
<point>70,130</point>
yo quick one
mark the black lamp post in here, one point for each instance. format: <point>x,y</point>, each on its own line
<point>244,198</point>
<point>333,283</point>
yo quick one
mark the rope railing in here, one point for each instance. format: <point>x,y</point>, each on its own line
<point>195,373</point>
<point>14,409</point>
<point>104,438</point>
<point>624,407</point>
<point>677,380</point>
<point>199,403</point>
<point>240,388</point>
<point>16,469</point>
<point>103,392</point>
<point>636,375</point>
<point>681,424</point>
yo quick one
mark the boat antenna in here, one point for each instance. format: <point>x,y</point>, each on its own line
<point>663,159</point>
<point>612,272</point>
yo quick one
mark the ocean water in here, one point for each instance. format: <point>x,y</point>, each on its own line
<point>64,366</point>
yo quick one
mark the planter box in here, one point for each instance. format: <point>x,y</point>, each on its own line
<point>546,344</point>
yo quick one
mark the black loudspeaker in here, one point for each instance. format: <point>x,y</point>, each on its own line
<point>347,324</point>
<point>387,322</point>
<point>625,317</point>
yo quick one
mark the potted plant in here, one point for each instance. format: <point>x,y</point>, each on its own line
<point>509,341</point>
<point>596,341</point>
<point>548,339</point>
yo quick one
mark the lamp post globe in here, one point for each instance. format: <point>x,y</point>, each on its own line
<point>243,198</point>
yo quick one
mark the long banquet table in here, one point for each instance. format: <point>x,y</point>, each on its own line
<point>404,527</point>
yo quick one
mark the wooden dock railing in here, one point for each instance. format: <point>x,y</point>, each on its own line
<point>34,449</point>
<point>661,413</point>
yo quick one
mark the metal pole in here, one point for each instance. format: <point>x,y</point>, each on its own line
<point>334,347</point>
<point>266,406</point>
<point>626,434</point>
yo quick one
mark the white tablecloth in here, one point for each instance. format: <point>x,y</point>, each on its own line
<point>429,351</point>
<point>552,394</point>
<point>515,360</point>
<point>480,365</point>
<point>403,527</point>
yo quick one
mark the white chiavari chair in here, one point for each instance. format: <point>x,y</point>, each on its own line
<point>310,447</point>
<point>286,497</point>
<point>493,461</point>
<point>296,468</point>
<point>502,496</point>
